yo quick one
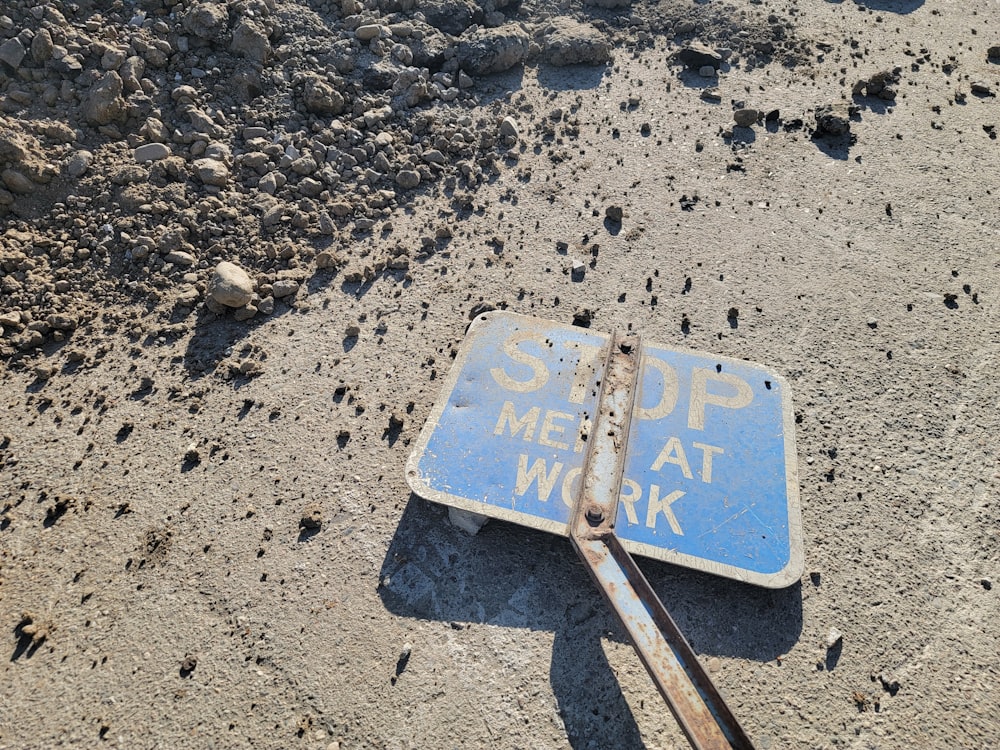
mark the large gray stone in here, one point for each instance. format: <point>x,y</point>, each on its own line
<point>368,31</point>
<point>151,152</point>
<point>230,285</point>
<point>79,163</point>
<point>16,182</point>
<point>746,117</point>
<point>696,55</point>
<point>42,46</point>
<point>251,41</point>
<point>104,104</point>
<point>12,52</point>
<point>284,288</point>
<point>493,50</point>
<point>408,178</point>
<point>569,42</point>
<point>321,98</point>
<point>451,16</point>
<point>211,172</point>
<point>209,20</point>
<point>833,119</point>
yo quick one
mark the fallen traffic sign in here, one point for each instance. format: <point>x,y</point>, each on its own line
<point>570,431</point>
<point>710,479</point>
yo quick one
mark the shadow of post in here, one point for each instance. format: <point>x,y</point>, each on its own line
<point>516,577</point>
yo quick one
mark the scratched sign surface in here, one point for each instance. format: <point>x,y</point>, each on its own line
<point>710,473</point>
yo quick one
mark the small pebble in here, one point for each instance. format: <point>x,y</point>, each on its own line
<point>508,127</point>
<point>745,117</point>
<point>312,516</point>
<point>833,637</point>
<point>466,520</point>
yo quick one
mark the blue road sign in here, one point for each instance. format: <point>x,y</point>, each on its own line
<point>710,470</point>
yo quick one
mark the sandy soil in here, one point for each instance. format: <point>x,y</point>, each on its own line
<point>164,459</point>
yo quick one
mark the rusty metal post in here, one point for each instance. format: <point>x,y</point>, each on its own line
<point>695,702</point>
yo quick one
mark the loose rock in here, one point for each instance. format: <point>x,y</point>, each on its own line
<point>466,520</point>
<point>42,47</point>
<point>250,41</point>
<point>207,20</point>
<point>230,285</point>
<point>570,42</point>
<point>881,85</point>
<point>211,172</point>
<point>833,119</point>
<point>368,32</point>
<point>188,663</point>
<point>696,55</point>
<point>79,163</point>
<point>321,98</point>
<point>12,52</point>
<point>833,638</point>
<point>16,182</point>
<point>451,16</point>
<point>493,50</point>
<point>151,152</point>
<point>104,103</point>
<point>284,288</point>
<point>746,117</point>
<point>408,178</point>
<point>508,127</point>
<point>312,516</point>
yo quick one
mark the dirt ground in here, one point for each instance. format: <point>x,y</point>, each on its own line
<point>206,536</point>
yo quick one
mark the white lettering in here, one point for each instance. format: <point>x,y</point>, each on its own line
<point>526,476</point>
<point>584,373</point>
<point>508,418</point>
<point>540,373</point>
<point>700,397</point>
<point>668,398</point>
<point>707,451</point>
<point>550,428</point>
<point>568,491</point>
<point>673,453</point>
<point>629,500</point>
<point>582,434</point>
<point>656,505</point>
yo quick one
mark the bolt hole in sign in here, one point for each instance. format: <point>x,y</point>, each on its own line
<point>710,471</point>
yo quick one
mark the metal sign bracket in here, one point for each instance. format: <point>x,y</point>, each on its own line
<point>700,710</point>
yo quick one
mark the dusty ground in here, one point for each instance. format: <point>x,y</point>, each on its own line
<point>158,457</point>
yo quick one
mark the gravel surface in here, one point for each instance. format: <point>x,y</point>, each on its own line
<point>240,243</point>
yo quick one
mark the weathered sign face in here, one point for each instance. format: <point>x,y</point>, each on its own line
<point>710,473</point>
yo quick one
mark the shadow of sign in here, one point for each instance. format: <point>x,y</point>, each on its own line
<point>510,576</point>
